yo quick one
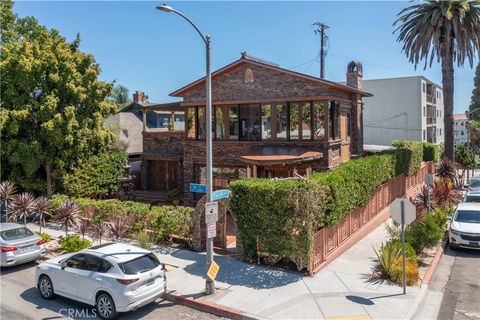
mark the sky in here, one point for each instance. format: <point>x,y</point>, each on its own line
<point>156,52</point>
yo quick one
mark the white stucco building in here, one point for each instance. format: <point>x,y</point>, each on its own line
<point>460,134</point>
<point>408,108</point>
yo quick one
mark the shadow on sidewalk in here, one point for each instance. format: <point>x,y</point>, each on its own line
<point>368,301</point>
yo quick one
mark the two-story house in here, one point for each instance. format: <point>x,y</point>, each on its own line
<point>267,122</point>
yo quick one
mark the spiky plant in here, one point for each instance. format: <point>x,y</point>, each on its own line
<point>7,191</point>
<point>424,201</point>
<point>82,227</point>
<point>22,205</point>
<point>446,169</point>
<point>118,227</point>
<point>99,229</point>
<point>68,214</point>
<point>444,193</point>
<point>42,209</point>
<point>387,255</point>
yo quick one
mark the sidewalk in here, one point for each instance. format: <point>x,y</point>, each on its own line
<point>342,289</point>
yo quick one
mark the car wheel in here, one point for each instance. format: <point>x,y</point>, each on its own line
<point>45,286</point>
<point>452,246</point>
<point>106,307</point>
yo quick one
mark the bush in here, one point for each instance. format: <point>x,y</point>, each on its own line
<point>45,236</point>
<point>430,151</point>
<point>440,215</point>
<point>411,271</point>
<point>145,240</point>
<point>73,243</point>
<point>413,157</point>
<point>424,234</point>
<point>410,253</point>
<point>172,220</point>
<point>387,255</point>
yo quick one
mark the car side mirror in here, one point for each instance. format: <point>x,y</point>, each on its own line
<point>63,265</point>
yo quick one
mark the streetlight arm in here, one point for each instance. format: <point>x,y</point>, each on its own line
<point>204,38</point>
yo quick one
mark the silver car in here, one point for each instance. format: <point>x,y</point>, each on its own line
<point>19,245</point>
<point>474,184</point>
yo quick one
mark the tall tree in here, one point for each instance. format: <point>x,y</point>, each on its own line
<point>475,103</point>
<point>120,96</point>
<point>53,105</point>
<point>448,30</point>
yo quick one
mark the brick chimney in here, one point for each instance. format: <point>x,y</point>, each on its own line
<point>354,75</point>
<point>138,97</point>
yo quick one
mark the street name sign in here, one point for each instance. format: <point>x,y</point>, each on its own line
<point>211,230</point>
<point>200,188</point>
<point>211,212</point>
<point>220,194</point>
<point>213,270</point>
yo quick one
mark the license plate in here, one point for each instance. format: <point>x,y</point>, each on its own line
<point>474,244</point>
<point>28,248</point>
<point>150,281</point>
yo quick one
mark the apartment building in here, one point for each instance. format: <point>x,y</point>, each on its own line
<point>460,133</point>
<point>407,108</point>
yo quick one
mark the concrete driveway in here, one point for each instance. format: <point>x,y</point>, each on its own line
<point>20,300</point>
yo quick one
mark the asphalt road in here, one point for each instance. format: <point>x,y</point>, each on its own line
<point>461,297</point>
<point>19,299</point>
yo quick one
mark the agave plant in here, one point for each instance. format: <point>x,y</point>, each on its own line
<point>7,191</point>
<point>423,201</point>
<point>387,255</point>
<point>22,205</point>
<point>99,229</point>
<point>446,169</point>
<point>82,226</point>
<point>42,209</point>
<point>118,227</point>
<point>68,214</point>
<point>444,193</point>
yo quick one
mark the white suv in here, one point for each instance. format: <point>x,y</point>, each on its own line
<point>465,227</point>
<point>113,277</point>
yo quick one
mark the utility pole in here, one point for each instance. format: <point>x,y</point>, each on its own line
<point>321,27</point>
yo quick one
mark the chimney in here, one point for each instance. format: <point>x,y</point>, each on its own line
<point>354,75</point>
<point>138,97</point>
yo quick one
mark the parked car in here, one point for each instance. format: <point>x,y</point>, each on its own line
<point>472,196</point>
<point>465,226</point>
<point>474,184</point>
<point>113,277</point>
<point>19,245</point>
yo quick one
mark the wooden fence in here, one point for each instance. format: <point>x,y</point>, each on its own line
<point>329,243</point>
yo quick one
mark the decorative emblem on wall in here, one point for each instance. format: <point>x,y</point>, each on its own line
<point>248,76</point>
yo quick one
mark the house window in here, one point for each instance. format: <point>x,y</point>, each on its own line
<point>266,122</point>
<point>233,122</point>
<point>306,128</point>
<point>333,118</point>
<point>281,121</point>
<point>201,123</point>
<point>424,111</point>
<point>318,121</point>
<point>439,131</point>
<point>294,117</point>
<point>424,135</point>
<point>249,122</point>
<point>423,84</point>
<point>349,125</point>
<point>219,123</point>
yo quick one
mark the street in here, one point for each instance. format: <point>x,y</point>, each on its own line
<point>21,300</point>
<point>461,298</point>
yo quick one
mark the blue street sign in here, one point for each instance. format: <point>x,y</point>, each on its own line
<point>195,187</point>
<point>220,194</point>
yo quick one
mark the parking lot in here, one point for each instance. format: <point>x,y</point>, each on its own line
<point>21,300</point>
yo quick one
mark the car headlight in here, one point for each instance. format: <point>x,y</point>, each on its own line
<point>455,232</point>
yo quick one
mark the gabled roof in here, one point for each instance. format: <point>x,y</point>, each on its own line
<point>245,59</point>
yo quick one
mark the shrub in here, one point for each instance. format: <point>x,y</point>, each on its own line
<point>387,255</point>
<point>411,271</point>
<point>430,151</point>
<point>45,236</point>
<point>413,157</point>
<point>73,243</point>
<point>145,240</point>
<point>410,253</point>
<point>172,220</point>
<point>440,215</point>
<point>446,169</point>
<point>423,234</point>
<point>444,193</point>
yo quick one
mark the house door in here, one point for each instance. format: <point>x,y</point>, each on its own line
<point>162,175</point>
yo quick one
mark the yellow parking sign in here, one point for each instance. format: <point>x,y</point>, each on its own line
<point>213,270</point>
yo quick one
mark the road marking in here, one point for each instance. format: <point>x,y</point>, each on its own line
<point>349,318</point>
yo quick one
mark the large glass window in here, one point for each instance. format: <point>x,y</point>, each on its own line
<point>306,121</point>
<point>333,120</point>
<point>249,119</point>
<point>281,121</point>
<point>219,124</point>
<point>191,123</point>
<point>201,123</point>
<point>266,122</point>
<point>318,121</point>
<point>233,121</point>
<point>294,121</point>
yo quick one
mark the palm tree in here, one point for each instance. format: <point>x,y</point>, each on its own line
<point>118,227</point>
<point>22,205</point>
<point>42,209</point>
<point>448,30</point>
<point>7,191</point>
<point>68,214</point>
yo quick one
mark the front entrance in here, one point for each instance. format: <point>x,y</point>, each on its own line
<point>162,175</point>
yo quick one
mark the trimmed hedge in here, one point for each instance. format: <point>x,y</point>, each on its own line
<point>414,156</point>
<point>430,152</point>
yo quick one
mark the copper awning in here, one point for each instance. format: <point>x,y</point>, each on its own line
<point>276,155</point>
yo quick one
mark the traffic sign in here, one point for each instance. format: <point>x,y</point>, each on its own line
<point>409,211</point>
<point>211,212</point>
<point>220,194</point>
<point>213,270</point>
<point>195,187</point>
<point>211,229</point>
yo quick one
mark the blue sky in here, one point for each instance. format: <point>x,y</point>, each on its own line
<point>156,52</point>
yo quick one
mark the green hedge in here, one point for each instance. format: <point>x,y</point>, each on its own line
<point>170,220</point>
<point>414,155</point>
<point>430,152</point>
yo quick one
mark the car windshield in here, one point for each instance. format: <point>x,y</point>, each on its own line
<point>15,234</point>
<point>139,265</point>
<point>468,216</point>
<point>475,184</point>
<point>472,198</point>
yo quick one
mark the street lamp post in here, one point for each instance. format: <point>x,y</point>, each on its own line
<point>210,284</point>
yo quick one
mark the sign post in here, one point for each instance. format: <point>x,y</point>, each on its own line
<point>403,212</point>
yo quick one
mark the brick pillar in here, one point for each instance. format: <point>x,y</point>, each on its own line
<point>357,126</point>
<point>187,177</point>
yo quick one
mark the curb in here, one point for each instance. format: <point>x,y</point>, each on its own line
<point>209,307</point>
<point>424,287</point>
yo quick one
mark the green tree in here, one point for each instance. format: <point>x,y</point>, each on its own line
<point>120,96</point>
<point>475,103</point>
<point>448,31</point>
<point>473,128</point>
<point>53,106</point>
<point>464,156</point>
